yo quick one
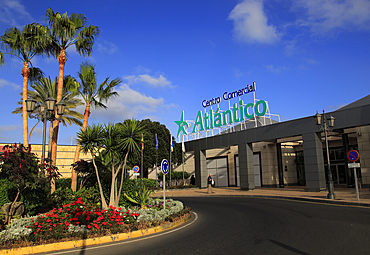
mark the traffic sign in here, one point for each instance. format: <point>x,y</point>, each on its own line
<point>353,155</point>
<point>164,166</point>
<point>354,165</point>
<point>136,169</point>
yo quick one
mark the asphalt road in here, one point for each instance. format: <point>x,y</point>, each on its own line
<point>243,225</point>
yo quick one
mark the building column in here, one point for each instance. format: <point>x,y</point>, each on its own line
<point>246,170</point>
<point>201,173</point>
<point>314,162</point>
<point>363,142</point>
<point>349,178</point>
<point>280,165</point>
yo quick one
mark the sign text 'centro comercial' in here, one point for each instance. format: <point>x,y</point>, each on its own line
<point>230,95</point>
<point>215,119</point>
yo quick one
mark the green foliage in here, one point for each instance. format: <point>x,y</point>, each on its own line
<point>36,200</point>
<point>140,197</point>
<point>150,183</point>
<point>87,175</point>
<point>130,187</point>
<point>151,155</point>
<point>63,183</point>
<point>30,179</point>
<point>66,196</point>
<point>175,175</point>
<point>5,186</point>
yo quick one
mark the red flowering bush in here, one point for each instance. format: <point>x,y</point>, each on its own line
<point>56,224</point>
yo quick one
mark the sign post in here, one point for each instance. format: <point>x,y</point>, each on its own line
<point>136,171</point>
<point>354,156</point>
<point>164,169</point>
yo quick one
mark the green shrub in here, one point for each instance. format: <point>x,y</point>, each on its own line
<point>63,183</point>
<point>36,200</point>
<point>66,196</point>
<point>5,185</point>
<point>174,175</point>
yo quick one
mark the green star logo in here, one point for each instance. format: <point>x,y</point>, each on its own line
<point>182,124</point>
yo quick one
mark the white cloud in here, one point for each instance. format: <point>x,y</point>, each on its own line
<point>129,104</point>
<point>4,83</point>
<point>157,82</point>
<point>276,69</point>
<point>12,11</point>
<point>105,46</point>
<point>251,24</point>
<point>8,128</point>
<point>325,15</point>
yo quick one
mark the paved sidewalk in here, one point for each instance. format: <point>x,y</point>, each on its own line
<point>344,195</point>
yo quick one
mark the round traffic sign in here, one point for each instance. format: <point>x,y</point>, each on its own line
<point>165,166</point>
<point>353,155</point>
<point>136,169</point>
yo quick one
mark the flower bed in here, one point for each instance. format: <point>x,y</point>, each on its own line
<point>75,221</point>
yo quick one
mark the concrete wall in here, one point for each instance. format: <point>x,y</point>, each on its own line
<point>363,141</point>
<point>65,155</point>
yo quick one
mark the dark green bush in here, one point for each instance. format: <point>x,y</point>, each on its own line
<point>5,186</point>
<point>175,175</point>
<point>90,196</point>
<point>63,183</point>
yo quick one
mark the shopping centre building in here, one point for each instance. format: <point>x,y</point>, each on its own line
<point>283,153</point>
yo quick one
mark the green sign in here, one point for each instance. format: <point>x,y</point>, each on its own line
<point>220,118</point>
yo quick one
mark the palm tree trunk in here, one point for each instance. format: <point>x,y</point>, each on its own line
<point>103,202</point>
<point>78,147</point>
<point>62,58</point>
<point>25,74</point>
<point>122,176</point>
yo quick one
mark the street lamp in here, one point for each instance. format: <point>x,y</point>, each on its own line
<point>46,110</point>
<point>326,125</point>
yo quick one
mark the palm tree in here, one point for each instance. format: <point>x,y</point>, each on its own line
<point>93,95</point>
<point>91,140</point>
<point>24,45</point>
<point>113,143</point>
<point>65,31</point>
<point>45,88</point>
<point>1,59</point>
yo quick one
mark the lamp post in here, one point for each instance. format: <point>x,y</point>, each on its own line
<point>326,125</point>
<point>46,112</point>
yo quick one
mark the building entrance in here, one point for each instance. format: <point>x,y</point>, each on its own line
<point>218,168</point>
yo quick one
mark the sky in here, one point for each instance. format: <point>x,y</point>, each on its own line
<point>304,55</point>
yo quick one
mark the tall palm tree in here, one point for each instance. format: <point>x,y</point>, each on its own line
<point>65,31</point>
<point>24,45</point>
<point>93,95</point>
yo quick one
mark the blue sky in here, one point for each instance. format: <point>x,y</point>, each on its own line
<point>304,55</point>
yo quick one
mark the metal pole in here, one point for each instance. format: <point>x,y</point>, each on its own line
<point>142,169</point>
<point>164,192</point>
<point>44,119</point>
<point>354,170</point>
<point>170,160</point>
<point>183,172</point>
<point>331,194</point>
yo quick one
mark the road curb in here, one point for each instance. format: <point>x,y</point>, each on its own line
<point>317,200</point>
<point>93,241</point>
